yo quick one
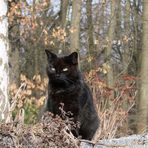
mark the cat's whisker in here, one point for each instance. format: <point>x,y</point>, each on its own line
<point>72,82</point>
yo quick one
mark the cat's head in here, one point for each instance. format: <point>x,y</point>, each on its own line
<point>62,71</point>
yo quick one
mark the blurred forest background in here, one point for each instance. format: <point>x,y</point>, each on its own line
<point>111,37</point>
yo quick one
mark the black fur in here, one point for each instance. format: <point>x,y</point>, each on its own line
<point>67,86</point>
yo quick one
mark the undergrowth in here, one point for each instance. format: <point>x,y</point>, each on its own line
<point>112,104</point>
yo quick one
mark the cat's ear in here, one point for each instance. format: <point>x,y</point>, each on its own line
<point>51,56</point>
<point>73,58</point>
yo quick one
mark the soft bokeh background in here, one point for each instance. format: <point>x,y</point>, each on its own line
<point>107,34</point>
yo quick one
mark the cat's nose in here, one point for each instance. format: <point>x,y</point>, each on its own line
<point>57,75</point>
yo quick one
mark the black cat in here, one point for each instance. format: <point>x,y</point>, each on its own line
<point>67,86</point>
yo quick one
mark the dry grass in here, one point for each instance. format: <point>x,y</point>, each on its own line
<point>50,132</point>
<point>113,106</point>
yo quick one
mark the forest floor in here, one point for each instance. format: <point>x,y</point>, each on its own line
<point>55,133</point>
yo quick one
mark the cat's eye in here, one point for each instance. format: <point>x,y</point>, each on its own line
<point>53,69</point>
<point>65,69</point>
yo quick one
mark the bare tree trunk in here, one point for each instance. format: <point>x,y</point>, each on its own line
<point>127,31</point>
<point>36,50</point>
<point>119,20</point>
<point>63,14</point>
<point>137,46</point>
<point>14,39</point>
<point>4,73</point>
<point>143,100</point>
<point>90,26</point>
<point>75,25</point>
<point>63,22</point>
<point>111,35</point>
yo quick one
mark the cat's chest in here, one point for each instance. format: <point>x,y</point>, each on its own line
<point>69,103</point>
<point>66,99</point>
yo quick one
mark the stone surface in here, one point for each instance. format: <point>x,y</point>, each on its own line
<point>134,141</point>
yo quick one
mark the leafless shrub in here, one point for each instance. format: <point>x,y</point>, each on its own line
<point>113,104</point>
<point>50,132</point>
